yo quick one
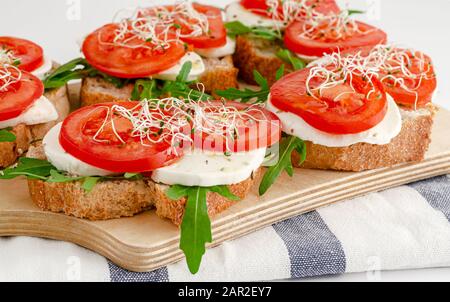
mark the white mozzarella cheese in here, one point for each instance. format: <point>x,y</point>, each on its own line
<point>381,134</point>
<point>228,49</point>
<point>63,160</point>
<point>198,68</point>
<point>206,169</point>
<point>42,111</point>
<point>236,12</point>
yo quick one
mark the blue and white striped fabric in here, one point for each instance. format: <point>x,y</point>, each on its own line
<point>402,228</point>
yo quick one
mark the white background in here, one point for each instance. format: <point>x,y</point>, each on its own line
<point>422,24</point>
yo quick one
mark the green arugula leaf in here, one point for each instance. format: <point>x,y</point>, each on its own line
<point>288,57</point>
<point>355,12</point>
<point>7,136</point>
<point>184,72</point>
<point>177,192</point>
<point>133,176</point>
<point>247,95</point>
<point>30,167</point>
<point>145,89</point>
<point>280,72</point>
<point>236,28</point>
<point>75,70</point>
<point>181,87</point>
<point>89,183</point>
<point>57,177</point>
<point>196,226</point>
<point>287,146</point>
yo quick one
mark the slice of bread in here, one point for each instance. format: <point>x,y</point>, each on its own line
<point>220,74</point>
<point>120,198</point>
<point>174,210</point>
<point>409,146</point>
<point>25,135</point>
<point>258,54</point>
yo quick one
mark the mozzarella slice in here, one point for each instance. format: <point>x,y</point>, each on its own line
<point>42,71</point>
<point>236,12</point>
<point>198,68</point>
<point>218,52</point>
<point>307,59</point>
<point>206,169</point>
<point>63,161</point>
<point>42,111</point>
<point>381,134</point>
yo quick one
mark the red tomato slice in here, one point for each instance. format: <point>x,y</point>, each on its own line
<point>260,7</point>
<point>257,128</point>
<point>19,96</point>
<point>352,113</point>
<point>371,36</point>
<point>31,55</point>
<point>106,150</point>
<point>419,91</point>
<point>131,62</point>
<point>216,35</point>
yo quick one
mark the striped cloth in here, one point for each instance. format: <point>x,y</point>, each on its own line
<point>402,228</point>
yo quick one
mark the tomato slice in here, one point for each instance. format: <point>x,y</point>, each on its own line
<point>138,59</point>
<point>339,110</point>
<point>293,40</point>
<point>30,55</point>
<point>407,75</point>
<point>419,91</point>
<point>83,137</point>
<point>261,7</point>
<point>255,127</point>
<point>18,96</point>
<point>216,36</point>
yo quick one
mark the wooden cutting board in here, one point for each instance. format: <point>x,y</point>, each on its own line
<point>145,242</point>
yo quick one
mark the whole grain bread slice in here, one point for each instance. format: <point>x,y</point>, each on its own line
<point>112,199</point>
<point>25,135</point>
<point>409,146</point>
<point>258,54</point>
<point>220,74</point>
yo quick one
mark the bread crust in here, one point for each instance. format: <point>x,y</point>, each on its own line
<point>108,200</point>
<point>257,54</point>
<point>220,74</point>
<point>112,199</point>
<point>409,146</point>
<point>25,135</point>
<point>174,210</point>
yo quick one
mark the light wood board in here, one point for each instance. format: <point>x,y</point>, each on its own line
<point>145,242</point>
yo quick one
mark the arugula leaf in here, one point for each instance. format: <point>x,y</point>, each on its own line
<point>7,136</point>
<point>30,167</point>
<point>58,177</point>
<point>145,89</point>
<point>288,57</point>
<point>196,226</point>
<point>236,28</point>
<point>355,12</point>
<point>247,94</point>
<point>287,146</point>
<point>45,171</point>
<point>280,72</point>
<point>180,88</point>
<point>75,70</point>
<point>89,183</point>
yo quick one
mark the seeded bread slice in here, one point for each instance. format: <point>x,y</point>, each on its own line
<point>257,54</point>
<point>220,75</point>
<point>120,198</point>
<point>25,135</point>
<point>409,146</point>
